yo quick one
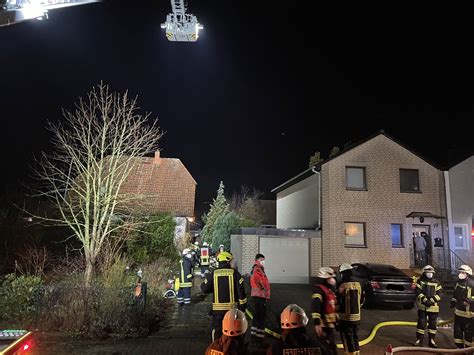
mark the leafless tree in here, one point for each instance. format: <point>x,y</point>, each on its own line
<point>95,147</point>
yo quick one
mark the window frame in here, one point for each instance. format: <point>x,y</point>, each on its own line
<point>400,181</point>
<point>355,245</point>
<point>402,239</point>
<point>365,178</point>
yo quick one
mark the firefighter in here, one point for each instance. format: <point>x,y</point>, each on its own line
<point>323,308</point>
<point>234,326</point>
<point>349,297</point>
<point>229,292</point>
<point>185,279</point>
<point>463,293</point>
<point>204,259</point>
<point>294,339</point>
<point>428,292</point>
<point>260,293</point>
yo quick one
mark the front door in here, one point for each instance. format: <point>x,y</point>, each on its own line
<point>419,229</point>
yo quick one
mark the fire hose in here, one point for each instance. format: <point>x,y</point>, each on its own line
<point>372,333</point>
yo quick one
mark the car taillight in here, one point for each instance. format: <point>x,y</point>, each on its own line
<point>413,286</point>
<point>374,284</point>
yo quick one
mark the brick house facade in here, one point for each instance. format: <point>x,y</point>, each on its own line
<point>380,204</point>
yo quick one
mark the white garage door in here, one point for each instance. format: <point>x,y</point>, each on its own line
<point>286,259</point>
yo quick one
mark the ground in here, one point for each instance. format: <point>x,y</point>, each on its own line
<point>187,330</point>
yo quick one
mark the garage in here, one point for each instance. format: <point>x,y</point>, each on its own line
<point>287,259</point>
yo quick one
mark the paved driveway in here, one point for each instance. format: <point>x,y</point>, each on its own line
<point>187,330</point>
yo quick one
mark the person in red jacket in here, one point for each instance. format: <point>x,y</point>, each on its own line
<point>260,292</point>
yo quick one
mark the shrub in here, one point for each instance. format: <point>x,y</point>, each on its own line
<point>18,296</point>
<point>155,239</point>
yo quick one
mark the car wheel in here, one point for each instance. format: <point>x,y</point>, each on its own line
<point>408,306</point>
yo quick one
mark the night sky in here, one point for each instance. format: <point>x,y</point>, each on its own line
<point>261,90</point>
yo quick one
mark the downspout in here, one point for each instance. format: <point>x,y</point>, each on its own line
<point>447,190</point>
<point>319,209</point>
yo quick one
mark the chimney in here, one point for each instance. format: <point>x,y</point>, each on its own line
<point>157,157</point>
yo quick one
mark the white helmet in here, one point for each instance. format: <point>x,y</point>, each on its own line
<point>465,268</point>
<point>204,244</point>
<point>429,268</point>
<point>345,267</point>
<point>196,243</point>
<point>326,272</point>
<point>186,251</point>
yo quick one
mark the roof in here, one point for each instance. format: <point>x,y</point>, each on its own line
<point>164,185</point>
<point>346,149</point>
<point>424,215</point>
<point>294,180</point>
<point>459,161</point>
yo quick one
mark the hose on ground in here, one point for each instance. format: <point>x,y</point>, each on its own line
<point>372,334</point>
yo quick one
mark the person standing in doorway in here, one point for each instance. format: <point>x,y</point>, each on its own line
<point>260,293</point>
<point>420,249</point>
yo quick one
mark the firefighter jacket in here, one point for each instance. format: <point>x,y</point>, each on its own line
<point>228,287</point>
<point>323,305</point>
<point>204,256</point>
<point>349,297</point>
<point>227,346</point>
<point>460,295</point>
<point>295,342</point>
<point>260,286</point>
<point>428,293</point>
<point>185,273</point>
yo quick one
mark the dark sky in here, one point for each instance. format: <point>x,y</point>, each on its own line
<point>262,89</point>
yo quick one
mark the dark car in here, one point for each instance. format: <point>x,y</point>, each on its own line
<point>385,285</point>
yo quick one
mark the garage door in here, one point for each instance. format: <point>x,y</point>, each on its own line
<point>286,259</point>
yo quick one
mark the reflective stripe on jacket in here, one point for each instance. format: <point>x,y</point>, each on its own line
<point>349,297</point>
<point>228,287</point>
<point>260,286</point>
<point>428,289</point>
<point>185,273</point>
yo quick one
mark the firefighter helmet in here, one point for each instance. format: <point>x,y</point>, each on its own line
<point>429,268</point>
<point>234,323</point>
<point>466,269</point>
<point>326,272</point>
<point>224,256</point>
<point>345,267</point>
<point>204,244</point>
<point>196,243</point>
<point>293,316</point>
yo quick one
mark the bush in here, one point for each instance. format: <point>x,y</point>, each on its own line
<point>18,296</point>
<point>155,239</point>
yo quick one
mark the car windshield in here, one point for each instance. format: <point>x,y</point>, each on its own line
<point>385,270</point>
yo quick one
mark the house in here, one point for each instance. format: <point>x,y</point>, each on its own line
<point>362,205</point>
<point>460,205</point>
<point>162,185</point>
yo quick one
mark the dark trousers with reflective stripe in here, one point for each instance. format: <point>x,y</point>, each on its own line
<point>463,328</point>
<point>259,314</point>
<point>217,317</point>
<point>349,336</point>
<point>184,295</point>
<point>423,318</point>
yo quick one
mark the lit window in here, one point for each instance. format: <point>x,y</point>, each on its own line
<point>397,237</point>
<point>355,234</point>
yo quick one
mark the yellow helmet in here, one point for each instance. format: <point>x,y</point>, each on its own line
<point>224,256</point>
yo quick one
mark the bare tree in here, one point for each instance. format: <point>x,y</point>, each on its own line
<point>95,147</point>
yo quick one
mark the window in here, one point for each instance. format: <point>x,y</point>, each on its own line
<point>355,234</point>
<point>355,178</point>
<point>460,236</point>
<point>409,181</point>
<point>397,237</point>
